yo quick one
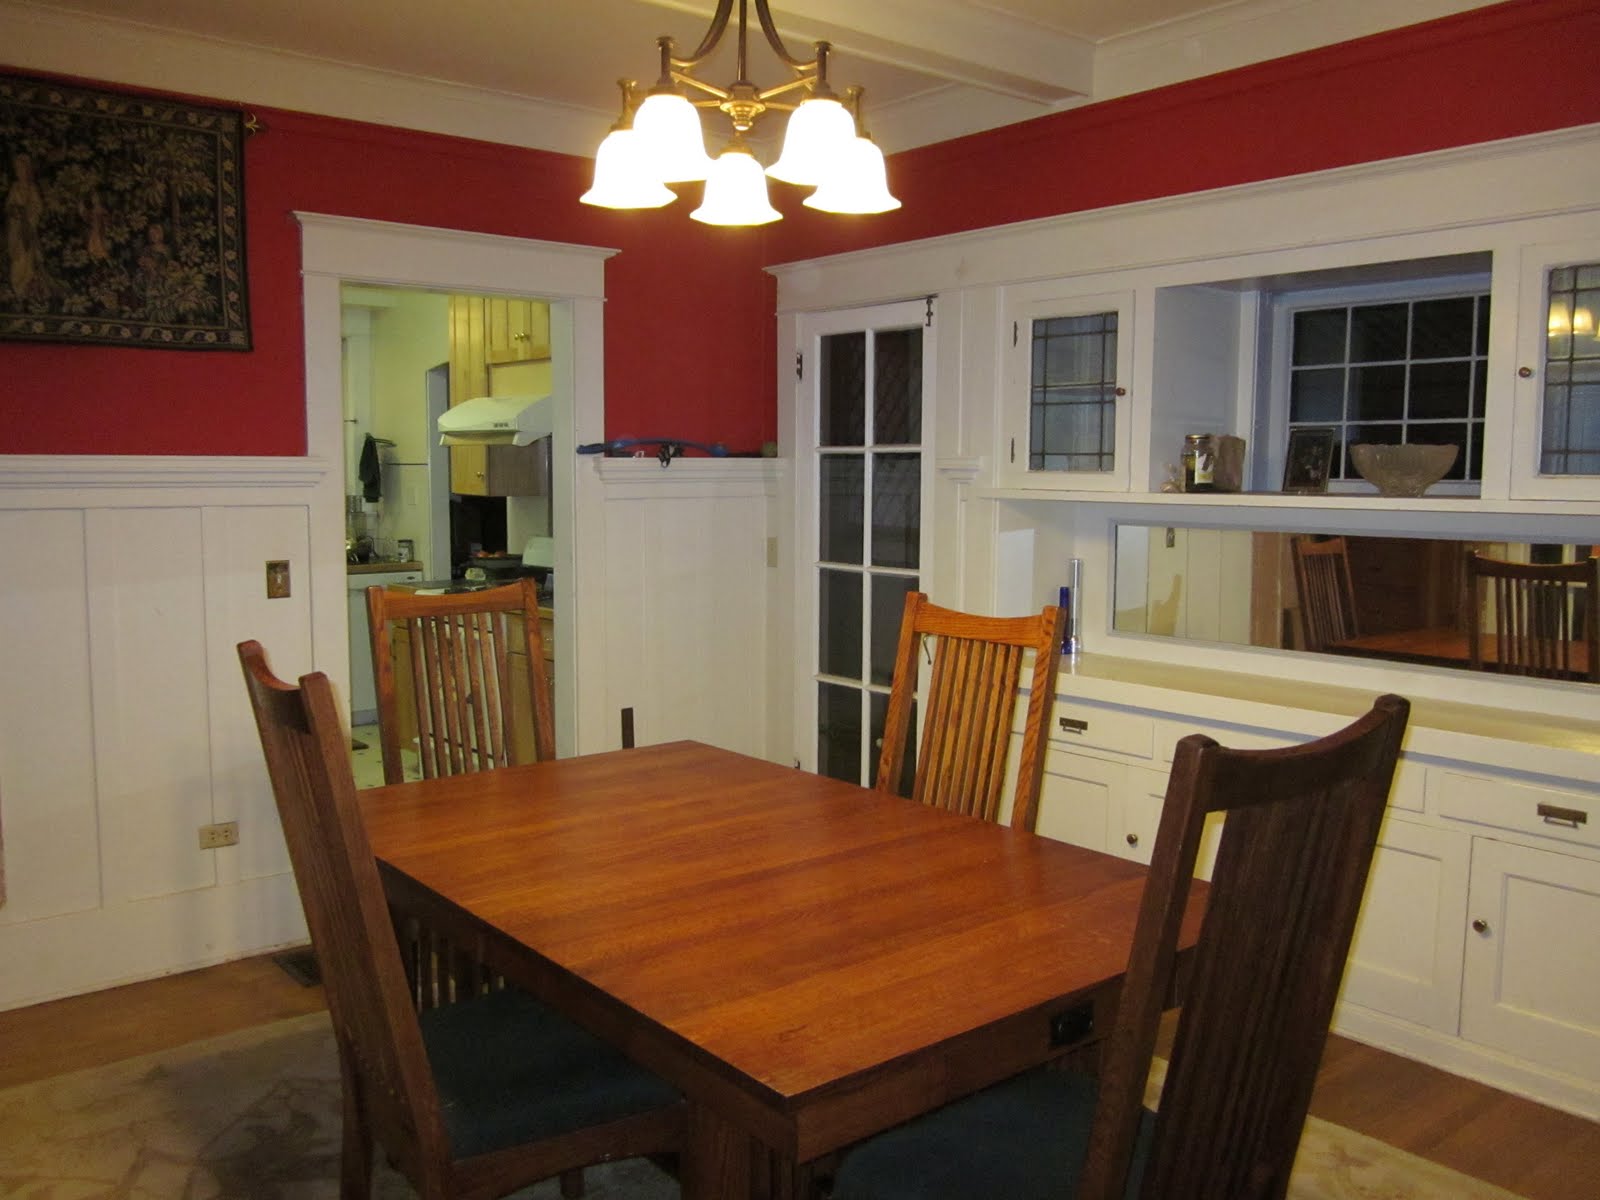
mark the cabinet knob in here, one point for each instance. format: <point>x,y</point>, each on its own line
<point>1132,839</point>
<point>1479,925</point>
<point>1524,372</point>
<point>1121,391</point>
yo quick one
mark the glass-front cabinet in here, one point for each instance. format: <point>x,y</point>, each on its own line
<point>1557,452</point>
<point>1066,366</point>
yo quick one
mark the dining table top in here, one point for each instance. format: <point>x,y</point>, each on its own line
<point>1439,645</point>
<point>808,959</point>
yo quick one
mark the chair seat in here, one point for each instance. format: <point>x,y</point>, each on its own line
<point>509,1070</point>
<point>1024,1139</point>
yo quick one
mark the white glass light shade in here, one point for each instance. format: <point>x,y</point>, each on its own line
<point>736,192</point>
<point>859,183</point>
<point>817,133</point>
<point>624,175</point>
<point>669,127</point>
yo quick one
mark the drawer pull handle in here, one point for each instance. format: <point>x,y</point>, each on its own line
<point>1072,725</point>
<point>1554,815</point>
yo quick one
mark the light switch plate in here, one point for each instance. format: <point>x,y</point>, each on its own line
<point>277,578</point>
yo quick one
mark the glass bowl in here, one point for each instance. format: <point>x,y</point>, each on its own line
<point>1408,470</point>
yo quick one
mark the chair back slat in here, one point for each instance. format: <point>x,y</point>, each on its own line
<point>968,708</point>
<point>1544,621</point>
<point>1299,833</point>
<point>305,745</point>
<point>1326,594</point>
<point>467,689</point>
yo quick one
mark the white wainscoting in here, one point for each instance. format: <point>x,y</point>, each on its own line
<point>688,599</point>
<point>124,726</point>
<point>123,720</point>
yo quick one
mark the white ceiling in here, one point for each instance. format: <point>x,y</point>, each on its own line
<point>543,72</point>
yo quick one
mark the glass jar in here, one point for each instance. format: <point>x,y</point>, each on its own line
<point>1199,462</point>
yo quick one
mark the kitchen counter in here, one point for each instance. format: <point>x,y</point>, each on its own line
<point>380,568</point>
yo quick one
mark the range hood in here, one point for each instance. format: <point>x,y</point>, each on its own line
<point>496,421</point>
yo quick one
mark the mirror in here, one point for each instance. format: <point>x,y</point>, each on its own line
<point>1405,599</point>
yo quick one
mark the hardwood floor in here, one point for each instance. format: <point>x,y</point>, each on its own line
<point>1527,1148</point>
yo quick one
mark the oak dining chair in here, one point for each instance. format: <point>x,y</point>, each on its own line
<point>472,662</point>
<point>969,706</point>
<point>471,1100</point>
<point>1327,597</point>
<point>1544,621</point>
<point>1300,828</point>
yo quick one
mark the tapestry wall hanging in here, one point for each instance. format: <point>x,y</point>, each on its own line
<point>124,219</point>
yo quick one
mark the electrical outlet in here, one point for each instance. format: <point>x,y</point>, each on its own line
<point>223,833</point>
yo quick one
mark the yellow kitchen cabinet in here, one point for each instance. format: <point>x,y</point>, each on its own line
<point>476,323</point>
<point>517,330</point>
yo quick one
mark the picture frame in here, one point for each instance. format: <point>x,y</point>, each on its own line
<point>124,219</point>
<point>1308,459</point>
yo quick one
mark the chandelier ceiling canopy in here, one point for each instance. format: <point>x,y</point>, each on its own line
<point>659,139</point>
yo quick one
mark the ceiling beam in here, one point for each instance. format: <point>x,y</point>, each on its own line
<point>946,39</point>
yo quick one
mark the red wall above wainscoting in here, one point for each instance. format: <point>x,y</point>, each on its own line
<point>689,313</point>
<point>689,337</point>
<point>1504,71</point>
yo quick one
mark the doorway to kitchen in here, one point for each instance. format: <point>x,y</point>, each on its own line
<point>425,515</point>
<point>338,253</point>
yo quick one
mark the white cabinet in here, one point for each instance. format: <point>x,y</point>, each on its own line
<point>1556,438</point>
<point>1532,983</point>
<point>1066,381</point>
<point>1406,958</point>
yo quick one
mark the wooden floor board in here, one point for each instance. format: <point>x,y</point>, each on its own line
<point>1530,1149</point>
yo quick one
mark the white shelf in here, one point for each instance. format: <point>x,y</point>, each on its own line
<point>1331,502</point>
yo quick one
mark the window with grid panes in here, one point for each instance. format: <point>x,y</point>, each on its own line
<point>1570,431</point>
<point>1401,370</point>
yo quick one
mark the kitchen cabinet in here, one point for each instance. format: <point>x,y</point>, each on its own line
<point>516,330</point>
<point>483,332</point>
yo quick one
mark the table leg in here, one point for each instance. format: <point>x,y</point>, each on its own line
<point>723,1162</point>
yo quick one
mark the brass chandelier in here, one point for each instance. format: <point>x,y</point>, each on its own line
<point>659,139</point>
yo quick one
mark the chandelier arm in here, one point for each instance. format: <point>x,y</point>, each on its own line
<point>709,89</point>
<point>708,44</point>
<point>774,40</point>
<point>766,94</point>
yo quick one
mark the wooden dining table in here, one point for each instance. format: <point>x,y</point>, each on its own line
<point>809,961</point>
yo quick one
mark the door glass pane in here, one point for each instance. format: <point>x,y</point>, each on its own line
<point>841,495</point>
<point>896,509</point>
<point>868,476</point>
<point>843,401</point>
<point>908,769</point>
<point>1571,427</point>
<point>839,732</point>
<point>888,607</point>
<point>897,387</point>
<point>839,623</point>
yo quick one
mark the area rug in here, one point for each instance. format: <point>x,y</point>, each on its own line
<point>254,1115</point>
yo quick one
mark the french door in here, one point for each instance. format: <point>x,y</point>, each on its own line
<point>865,470</point>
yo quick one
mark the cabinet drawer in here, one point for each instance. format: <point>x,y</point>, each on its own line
<point>1078,726</point>
<point>1572,817</point>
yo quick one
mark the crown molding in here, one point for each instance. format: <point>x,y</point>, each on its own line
<point>135,55</point>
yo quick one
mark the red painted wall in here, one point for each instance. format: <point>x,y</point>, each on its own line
<point>689,339</point>
<point>689,329</point>
<point>1504,71</point>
